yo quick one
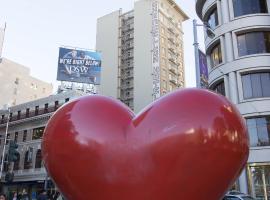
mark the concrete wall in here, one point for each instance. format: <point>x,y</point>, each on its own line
<point>143,80</point>
<point>107,42</point>
<point>18,86</point>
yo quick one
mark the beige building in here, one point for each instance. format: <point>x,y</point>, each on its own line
<point>17,86</point>
<point>142,52</point>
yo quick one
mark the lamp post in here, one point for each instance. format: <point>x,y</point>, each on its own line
<point>4,148</point>
<point>210,34</point>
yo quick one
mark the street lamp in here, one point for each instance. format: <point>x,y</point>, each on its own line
<point>210,34</point>
<point>4,148</point>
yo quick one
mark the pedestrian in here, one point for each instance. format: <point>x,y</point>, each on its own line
<point>25,195</point>
<point>3,197</point>
<point>15,196</point>
<point>42,195</point>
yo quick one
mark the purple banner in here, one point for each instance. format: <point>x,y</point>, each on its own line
<point>203,70</point>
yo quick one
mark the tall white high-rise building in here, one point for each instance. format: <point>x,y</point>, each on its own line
<point>142,52</point>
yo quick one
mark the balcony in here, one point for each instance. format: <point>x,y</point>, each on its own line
<point>173,70</point>
<point>174,81</point>
<point>171,40</point>
<point>31,114</point>
<point>171,29</point>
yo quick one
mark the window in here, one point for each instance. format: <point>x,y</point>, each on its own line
<point>2,118</point>
<point>16,137</point>
<point>213,19</point>
<point>219,88</point>
<point>17,164</point>
<point>24,135</point>
<point>8,138</point>
<point>36,110</point>
<point>38,159</point>
<point>259,131</point>
<point>245,7</point>
<point>253,43</point>
<point>28,159</point>
<point>19,115</point>
<point>27,112</point>
<point>216,55</point>
<point>38,133</point>
<point>256,85</point>
<point>56,104</point>
<point>46,108</point>
<point>67,99</point>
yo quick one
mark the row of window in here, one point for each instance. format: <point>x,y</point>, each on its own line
<point>37,134</point>
<point>257,42</point>
<point>28,158</point>
<point>29,113</point>
<point>255,85</point>
<point>240,8</point>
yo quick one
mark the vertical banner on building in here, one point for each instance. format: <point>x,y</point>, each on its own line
<point>155,51</point>
<point>2,36</point>
<point>203,70</point>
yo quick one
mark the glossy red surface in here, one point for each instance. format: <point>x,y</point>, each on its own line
<point>189,145</point>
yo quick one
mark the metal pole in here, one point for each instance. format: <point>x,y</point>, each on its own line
<point>4,148</point>
<point>196,53</point>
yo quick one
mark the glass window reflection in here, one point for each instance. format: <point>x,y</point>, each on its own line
<point>253,43</point>
<point>256,85</point>
<point>245,7</point>
<point>216,55</point>
<point>259,131</point>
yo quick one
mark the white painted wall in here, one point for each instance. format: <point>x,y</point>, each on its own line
<point>107,43</point>
<point>143,80</point>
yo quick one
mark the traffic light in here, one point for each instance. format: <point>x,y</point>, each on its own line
<point>13,154</point>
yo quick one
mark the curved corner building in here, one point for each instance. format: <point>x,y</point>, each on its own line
<point>238,60</point>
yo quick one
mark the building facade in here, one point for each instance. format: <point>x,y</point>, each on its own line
<point>142,52</point>
<point>238,59</point>
<point>18,86</point>
<point>26,125</point>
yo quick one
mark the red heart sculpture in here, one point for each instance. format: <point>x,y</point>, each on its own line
<point>189,145</point>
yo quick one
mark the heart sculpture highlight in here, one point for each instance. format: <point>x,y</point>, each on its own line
<point>189,145</point>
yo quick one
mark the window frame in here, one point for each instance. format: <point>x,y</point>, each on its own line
<point>248,14</point>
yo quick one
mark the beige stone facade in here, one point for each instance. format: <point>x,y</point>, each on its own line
<point>17,86</point>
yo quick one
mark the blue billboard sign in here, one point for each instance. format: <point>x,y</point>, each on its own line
<point>79,66</point>
<point>203,70</point>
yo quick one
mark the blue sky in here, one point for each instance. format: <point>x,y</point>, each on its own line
<point>36,29</point>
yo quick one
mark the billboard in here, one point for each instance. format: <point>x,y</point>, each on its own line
<point>79,66</point>
<point>203,70</point>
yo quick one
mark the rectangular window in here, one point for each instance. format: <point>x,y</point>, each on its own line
<point>36,110</point>
<point>246,7</point>
<point>24,135</point>
<point>219,88</point>
<point>256,85</point>
<point>19,115</point>
<point>27,112</point>
<point>16,137</point>
<point>56,105</point>
<point>213,19</point>
<point>253,43</point>
<point>46,108</point>
<point>38,133</point>
<point>259,131</point>
<point>216,55</point>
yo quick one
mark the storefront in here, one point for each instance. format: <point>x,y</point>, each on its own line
<point>32,188</point>
<point>259,180</point>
